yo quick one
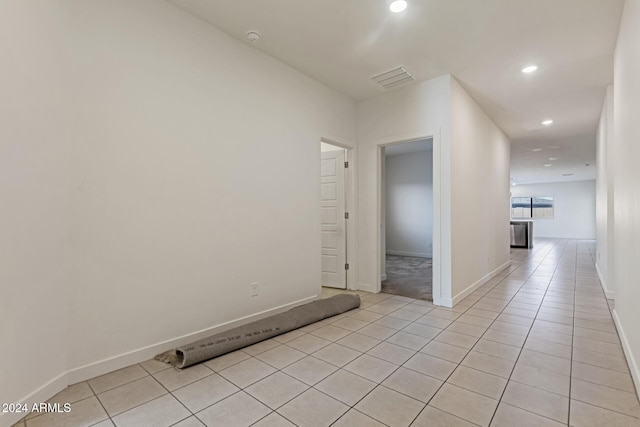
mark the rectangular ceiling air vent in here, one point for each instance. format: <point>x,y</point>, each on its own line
<point>392,78</point>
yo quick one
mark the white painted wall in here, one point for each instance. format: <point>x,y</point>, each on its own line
<point>471,163</point>
<point>574,205</point>
<point>626,244</point>
<point>604,196</point>
<point>409,204</point>
<point>414,112</point>
<point>188,190</point>
<point>180,184</point>
<point>480,162</point>
<point>35,194</point>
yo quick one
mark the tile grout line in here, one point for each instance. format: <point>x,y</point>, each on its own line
<point>379,384</point>
<point>527,337</point>
<point>398,366</point>
<point>309,387</point>
<point>573,327</point>
<point>170,393</point>
<point>100,402</point>
<point>585,295</point>
<point>623,356</point>
<point>469,350</point>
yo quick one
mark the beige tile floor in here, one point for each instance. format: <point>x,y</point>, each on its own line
<point>535,346</point>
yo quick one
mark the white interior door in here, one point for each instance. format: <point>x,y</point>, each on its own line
<point>332,203</point>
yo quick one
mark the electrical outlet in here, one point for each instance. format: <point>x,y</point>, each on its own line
<point>254,288</point>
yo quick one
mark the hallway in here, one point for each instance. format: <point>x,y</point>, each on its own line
<point>535,346</point>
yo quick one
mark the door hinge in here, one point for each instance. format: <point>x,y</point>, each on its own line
<point>346,215</point>
<point>346,164</point>
<point>346,266</point>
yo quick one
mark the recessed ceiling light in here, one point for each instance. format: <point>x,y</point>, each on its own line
<point>547,122</point>
<point>554,158</point>
<point>548,165</point>
<point>529,69</point>
<point>398,6</point>
<point>537,149</point>
<point>513,183</point>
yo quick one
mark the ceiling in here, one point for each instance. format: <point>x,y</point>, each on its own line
<point>408,147</point>
<point>483,43</point>
<point>563,160</point>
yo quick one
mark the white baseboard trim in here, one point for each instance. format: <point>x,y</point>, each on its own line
<point>631,360</point>
<point>609,294</point>
<point>416,254</point>
<point>366,287</point>
<point>145,353</point>
<point>123,360</point>
<point>451,302</point>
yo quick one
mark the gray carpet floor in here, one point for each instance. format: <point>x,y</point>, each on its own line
<point>409,277</point>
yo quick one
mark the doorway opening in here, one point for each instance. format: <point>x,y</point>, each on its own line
<point>407,219</point>
<point>334,216</point>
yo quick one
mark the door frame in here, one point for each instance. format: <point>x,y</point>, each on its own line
<point>350,191</point>
<point>437,207</point>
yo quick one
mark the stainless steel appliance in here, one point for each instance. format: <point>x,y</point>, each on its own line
<point>522,234</point>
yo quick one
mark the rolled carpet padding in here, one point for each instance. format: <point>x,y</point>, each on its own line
<point>260,330</point>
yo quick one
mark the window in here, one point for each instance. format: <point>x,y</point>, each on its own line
<point>542,207</point>
<point>532,207</point>
<point>521,207</point>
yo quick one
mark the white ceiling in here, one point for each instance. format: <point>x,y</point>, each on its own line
<point>567,156</point>
<point>483,43</point>
<point>409,147</point>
